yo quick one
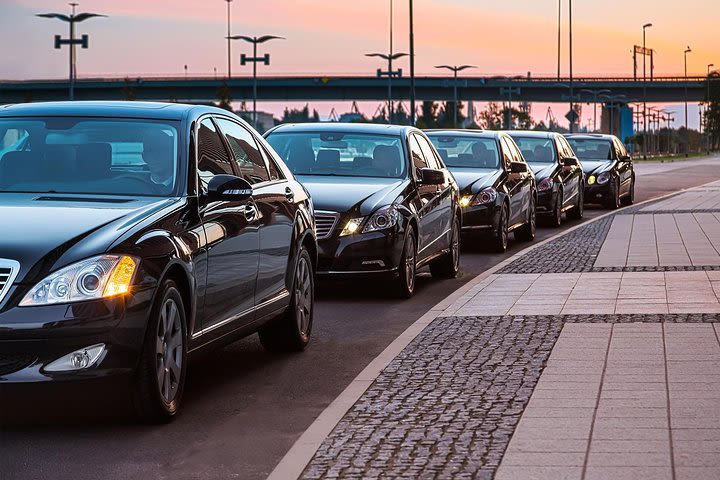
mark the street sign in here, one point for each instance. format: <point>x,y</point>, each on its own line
<point>572,116</point>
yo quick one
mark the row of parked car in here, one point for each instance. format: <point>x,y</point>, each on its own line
<point>136,235</point>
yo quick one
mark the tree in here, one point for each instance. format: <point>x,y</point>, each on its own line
<point>299,115</point>
<point>428,117</point>
<point>492,117</point>
<point>223,95</point>
<point>712,113</point>
<point>446,115</point>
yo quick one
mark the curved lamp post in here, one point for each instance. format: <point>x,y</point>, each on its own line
<point>455,69</point>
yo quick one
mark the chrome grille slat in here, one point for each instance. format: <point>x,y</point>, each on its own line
<point>325,223</point>
<point>8,270</point>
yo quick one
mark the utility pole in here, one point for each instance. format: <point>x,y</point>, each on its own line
<point>645,27</point>
<point>71,19</point>
<point>572,105</point>
<point>559,34</point>
<point>455,69</point>
<point>412,66</point>
<point>229,55</point>
<point>687,133</point>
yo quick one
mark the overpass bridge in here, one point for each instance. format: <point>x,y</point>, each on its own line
<point>348,88</point>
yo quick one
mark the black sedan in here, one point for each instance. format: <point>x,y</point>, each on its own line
<point>137,234</point>
<point>558,173</point>
<point>384,202</point>
<point>498,192</point>
<point>608,169</point>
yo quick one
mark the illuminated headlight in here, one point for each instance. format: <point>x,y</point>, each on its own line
<point>386,217</point>
<point>466,200</point>
<point>603,178</point>
<point>352,227</point>
<point>77,360</point>
<point>591,180</point>
<point>546,184</point>
<point>97,277</point>
<point>489,195</point>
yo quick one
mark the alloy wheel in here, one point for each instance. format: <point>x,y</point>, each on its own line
<point>169,350</point>
<point>303,296</point>
<point>409,263</point>
<point>455,245</point>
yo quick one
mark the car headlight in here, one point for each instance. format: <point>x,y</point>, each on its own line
<point>488,195</point>
<point>603,178</point>
<point>545,184</point>
<point>591,180</point>
<point>466,200</point>
<point>385,217</point>
<point>98,277</point>
<point>352,226</point>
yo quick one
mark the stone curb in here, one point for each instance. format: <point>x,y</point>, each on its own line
<point>298,457</point>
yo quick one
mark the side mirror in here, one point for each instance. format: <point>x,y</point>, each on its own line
<point>229,188</point>
<point>430,176</point>
<point>518,167</point>
<point>570,162</point>
<point>626,158</point>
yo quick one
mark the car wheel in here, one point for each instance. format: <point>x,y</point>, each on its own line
<point>577,212</point>
<point>291,331</point>
<point>448,266</point>
<point>630,198</point>
<point>555,219</point>
<point>614,202</point>
<point>160,379</point>
<point>500,241</point>
<point>405,283</point>
<point>526,233</point>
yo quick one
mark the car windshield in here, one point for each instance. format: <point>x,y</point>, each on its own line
<point>88,156</point>
<point>591,148</point>
<point>467,152</point>
<point>339,153</point>
<point>535,149</point>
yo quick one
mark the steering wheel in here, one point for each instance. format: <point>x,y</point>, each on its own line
<point>372,172</point>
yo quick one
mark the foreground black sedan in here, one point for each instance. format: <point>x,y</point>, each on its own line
<point>608,169</point>
<point>497,188</point>
<point>384,202</point>
<point>136,234</point>
<point>558,173</point>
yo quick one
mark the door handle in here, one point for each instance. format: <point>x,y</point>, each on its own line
<point>289,194</point>
<point>250,212</point>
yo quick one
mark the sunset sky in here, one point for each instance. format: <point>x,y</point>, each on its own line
<point>159,37</point>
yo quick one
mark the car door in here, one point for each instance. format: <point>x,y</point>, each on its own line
<point>570,175</point>
<point>232,241</point>
<point>624,165</point>
<point>443,200</point>
<point>273,197</point>
<point>517,186</point>
<point>425,202</point>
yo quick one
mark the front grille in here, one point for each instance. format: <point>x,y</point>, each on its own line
<point>13,363</point>
<point>8,270</point>
<point>325,223</point>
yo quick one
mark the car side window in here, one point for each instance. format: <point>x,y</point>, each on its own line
<point>275,172</point>
<point>431,157</point>
<point>248,158</point>
<point>622,151</point>
<point>213,157</point>
<point>416,153</point>
<point>564,148</point>
<point>507,152</point>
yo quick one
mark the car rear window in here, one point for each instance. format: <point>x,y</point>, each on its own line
<point>467,152</point>
<point>591,148</point>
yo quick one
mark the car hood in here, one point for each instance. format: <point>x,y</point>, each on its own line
<point>343,194</point>
<point>596,166</point>
<point>44,233</point>
<point>542,170</point>
<point>473,180</point>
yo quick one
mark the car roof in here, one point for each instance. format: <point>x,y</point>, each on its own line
<point>590,136</point>
<point>464,133</point>
<point>127,109</point>
<point>531,133</point>
<point>367,128</point>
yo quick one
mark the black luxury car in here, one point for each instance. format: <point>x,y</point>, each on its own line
<point>558,173</point>
<point>609,173</point>
<point>384,202</point>
<point>135,234</point>
<point>498,194</point>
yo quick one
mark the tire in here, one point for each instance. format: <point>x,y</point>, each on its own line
<point>577,212</point>
<point>291,331</point>
<point>157,393</point>
<point>448,266</point>
<point>555,219</point>
<point>630,197</point>
<point>500,242</point>
<point>614,202</point>
<point>405,283</point>
<point>526,233</point>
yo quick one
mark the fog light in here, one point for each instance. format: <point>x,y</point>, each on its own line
<point>591,179</point>
<point>465,201</point>
<point>77,360</point>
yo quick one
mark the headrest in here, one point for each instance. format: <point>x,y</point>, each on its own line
<point>362,162</point>
<point>542,154</point>
<point>18,167</point>
<point>328,159</point>
<point>301,158</point>
<point>387,158</point>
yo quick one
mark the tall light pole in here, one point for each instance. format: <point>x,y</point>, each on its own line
<point>229,55</point>
<point>412,66</point>
<point>265,59</point>
<point>559,34</point>
<point>71,19</point>
<point>455,69</point>
<point>572,106</point>
<point>707,104</point>
<point>390,73</point>
<point>645,27</point>
<point>687,134</point>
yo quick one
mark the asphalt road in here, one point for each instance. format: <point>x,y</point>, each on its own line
<point>243,407</point>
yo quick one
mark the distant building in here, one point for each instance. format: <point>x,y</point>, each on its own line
<point>265,120</point>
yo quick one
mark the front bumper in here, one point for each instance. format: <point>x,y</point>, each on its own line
<point>597,193</point>
<point>481,218</point>
<point>361,254</point>
<point>546,201</point>
<point>33,337</point>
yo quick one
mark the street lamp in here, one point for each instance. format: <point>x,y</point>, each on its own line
<point>645,27</point>
<point>412,65</point>
<point>707,107</point>
<point>455,69</point>
<point>687,134</point>
<point>71,19</point>
<point>229,70</point>
<point>572,106</point>
<point>265,59</point>
<point>595,94</point>
<point>390,73</point>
